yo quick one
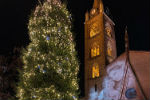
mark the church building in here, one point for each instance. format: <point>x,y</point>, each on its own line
<point>101,55</point>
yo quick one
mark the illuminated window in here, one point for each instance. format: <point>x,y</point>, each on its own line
<point>109,52</point>
<point>92,33</point>
<point>108,31</point>
<point>109,49</point>
<point>94,29</point>
<point>95,71</point>
<point>95,51</point>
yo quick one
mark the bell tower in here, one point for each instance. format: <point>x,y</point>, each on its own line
<point>100,46</point>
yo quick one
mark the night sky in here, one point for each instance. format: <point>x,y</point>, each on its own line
<point>14,15</point>
<point>134,14</point>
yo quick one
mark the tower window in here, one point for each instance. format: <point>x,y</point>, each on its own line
<point>109,49</point>
<point>95,71</point>
<point>95,51</point>
<point>94,29</point>
<point>108,31</point>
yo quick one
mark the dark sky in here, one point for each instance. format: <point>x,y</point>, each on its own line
<point>14,15</point>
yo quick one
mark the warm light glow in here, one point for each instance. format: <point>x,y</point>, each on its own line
<point>93,11</point>
<point>109,52</point>
<point>108,31</point>
<point>109,49</point>
<point>94,30</point>
<point>95,70</point>
<point>95,51</point>
<point>92,33</point>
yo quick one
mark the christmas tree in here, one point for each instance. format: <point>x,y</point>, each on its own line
<point>50,64</point>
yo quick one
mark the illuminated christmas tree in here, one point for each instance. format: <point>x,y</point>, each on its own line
<point>50,64</point>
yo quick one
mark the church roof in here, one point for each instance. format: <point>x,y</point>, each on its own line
<point>140,62</point>
<point>108,18</point>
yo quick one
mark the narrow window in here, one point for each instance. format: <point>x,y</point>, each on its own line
<point>109,49</point>
<point>95,50</point>
<point>95,71</point>
<point>108,31</point>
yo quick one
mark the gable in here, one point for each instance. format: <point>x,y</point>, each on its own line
<point>119,82</point>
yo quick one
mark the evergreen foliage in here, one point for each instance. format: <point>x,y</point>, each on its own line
<point>50,64</point>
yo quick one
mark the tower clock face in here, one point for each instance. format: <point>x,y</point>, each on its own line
<point>93,11</point>
<point>94,29</point>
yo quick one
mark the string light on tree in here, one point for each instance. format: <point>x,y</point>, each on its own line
<point>50,63</point>
<point>44,71</point>
<point>47,38</point>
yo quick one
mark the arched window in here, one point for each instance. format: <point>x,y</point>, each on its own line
<point>95,70</point>
<point>95,50</point>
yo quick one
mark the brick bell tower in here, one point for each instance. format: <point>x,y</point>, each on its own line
<point>100,46</point>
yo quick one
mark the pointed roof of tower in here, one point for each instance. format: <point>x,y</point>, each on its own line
<point>86,16</point>
<point>126,42</point>
<point>96,4</point>
<point>101,6</point>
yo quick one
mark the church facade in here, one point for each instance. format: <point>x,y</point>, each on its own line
<point>101,56</point>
